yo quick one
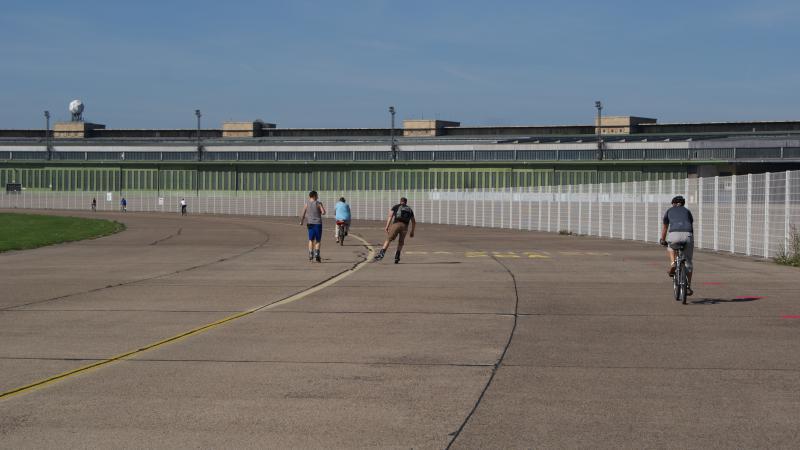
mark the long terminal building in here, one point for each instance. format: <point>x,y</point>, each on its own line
<point>423,154</point>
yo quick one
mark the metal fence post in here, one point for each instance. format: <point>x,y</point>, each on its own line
<point>530,205</point>
<point>539,210</point>
<point>549,206</point>
<point>716,213</point>
<point>624,189</point>
<point>591,207</point>
<point>599,210</point>
<point>699,241</point>
<point>766,215</point>
<point>611,216</point>
<point>580,209</point>
<point>647,211</point>
<point>749,215</point>
<point>733,214</point>
<point>786,213</point>
<point>558,208</point>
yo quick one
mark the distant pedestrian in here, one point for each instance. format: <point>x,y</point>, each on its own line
<point>124,204</point>
<point>94,204</point>
<point>313,210</point>
<point>397,226</point>
<point>183,206</point>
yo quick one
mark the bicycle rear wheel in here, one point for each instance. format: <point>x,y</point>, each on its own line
<point>683,283</point>
<point>676,285</point>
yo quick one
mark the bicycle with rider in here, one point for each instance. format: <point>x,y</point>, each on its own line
<point>678,229</point>
<point>342,217</point>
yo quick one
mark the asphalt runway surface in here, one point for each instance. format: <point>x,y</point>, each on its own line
<point>217,332</point>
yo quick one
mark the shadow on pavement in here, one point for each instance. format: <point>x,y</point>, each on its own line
<point>714,301</point>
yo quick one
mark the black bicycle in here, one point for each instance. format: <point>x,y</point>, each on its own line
<point>680,280</point>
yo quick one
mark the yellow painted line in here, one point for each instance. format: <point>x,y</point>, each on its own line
<point>442,253</point>
<point>476,254</point>
<point>505,255</point>
<point>195,331</point>
<point>416,253</point>
<point>536,255</point>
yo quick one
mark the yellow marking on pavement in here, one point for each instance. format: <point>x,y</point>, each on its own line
<point>195,331</point>
<point>536,255</point>
<point>441,253</point>
<point>476,254</point>
<point>416,253</point>
<point>505,255</point>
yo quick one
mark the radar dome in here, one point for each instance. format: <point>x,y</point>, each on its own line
<point>76,107</point>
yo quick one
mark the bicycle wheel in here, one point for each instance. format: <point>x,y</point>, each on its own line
<point>341,235</point>
<point>684,282</point>
<point>676,285</point>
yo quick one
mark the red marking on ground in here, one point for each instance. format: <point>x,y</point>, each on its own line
<point>749,297</point>
<point>712,283</point>
<point>790,317</point>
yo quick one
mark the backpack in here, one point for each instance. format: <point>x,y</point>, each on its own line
<point>403,213</point>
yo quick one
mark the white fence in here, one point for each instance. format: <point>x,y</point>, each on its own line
<point>747,214</point>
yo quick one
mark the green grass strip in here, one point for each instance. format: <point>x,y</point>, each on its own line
<point>26,231</point>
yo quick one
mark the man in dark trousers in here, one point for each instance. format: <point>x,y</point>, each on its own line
<point>397,225</point>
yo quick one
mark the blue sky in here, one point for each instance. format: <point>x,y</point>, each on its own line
<point>301,63</point>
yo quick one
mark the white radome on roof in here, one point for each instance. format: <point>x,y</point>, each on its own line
<point>76,107</point>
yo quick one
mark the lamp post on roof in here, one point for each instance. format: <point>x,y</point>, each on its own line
<point>393,143</point>
<point>599,105</point>
<point>199,147</point>
<point>47,134</point>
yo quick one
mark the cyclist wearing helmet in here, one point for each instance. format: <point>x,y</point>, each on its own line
<point>678,229</point>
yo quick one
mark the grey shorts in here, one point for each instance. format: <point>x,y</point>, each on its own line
<point>685,238</point>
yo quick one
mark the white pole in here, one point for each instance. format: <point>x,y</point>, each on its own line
<point>580,209</point>
<point>549,207</point>
<point>647,211</point>
<point>530,205</point>
<point>611,216</point>
<point>591,207</point>
<point>699,241</point>
<point>625,189</point>
<point>539,212</point>
<point>716,213</point>
<point>766,215</point>
<point>600,210</point>
<point>749,214</point>
<point>786,213</point>
<point>733,214</point>
<point>483,207</point>
<point>559,227</point>
<point>475,207</point>
<point>569,207</point>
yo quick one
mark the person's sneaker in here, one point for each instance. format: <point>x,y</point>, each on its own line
<point>379,256</point>
<point>671,271</point>
<point>689,291</point>
<point>310,256</point>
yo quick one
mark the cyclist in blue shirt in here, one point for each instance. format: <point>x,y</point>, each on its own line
<point>342,216</point>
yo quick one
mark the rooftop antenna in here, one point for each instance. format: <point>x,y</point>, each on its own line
<point>76,109</point>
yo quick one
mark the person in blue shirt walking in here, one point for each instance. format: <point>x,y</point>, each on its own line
<point>342,217</point>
